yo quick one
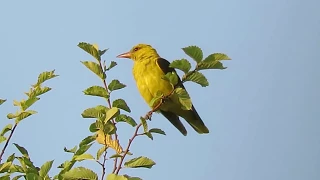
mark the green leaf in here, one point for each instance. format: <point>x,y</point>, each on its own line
<point>112,113</point>
<point>101,52</point>
<point>127,119</point>
<point>171,77</point>
<point>26,162</point>
<point>93,127</point>
<point>121,177</point>
<point>6,129</point>
<point>101,151</point>
<point>80,173</point>
<point>99,125</point>
<point>5,167</point>
<point>16,168</point>
<point>66,166</point>
<point>24,115</point>
<point>2,101</point>
<point>132,178</point>
<point>144,124</point>
<point>45,76</point>
<point>116,177</point>
<point>37,91</point>
<point>11,157</point>
<point>115,156</point>
<point>149,135</point>
<point>26,104</point>
<point>198,78</point>
<point>5,177</point>
<point>212,65</point>
<point>194,52</point>
<point>95,112</point>
<point>140,162</point>
<point>120,103</point>
<point>73,150</point>
<point>115,85</point>
<point>2,138</point>
<point>112,64</point>
<point>184,98</point>
<point>11,116</point>
<point>91,49</point>
<point>32,176</point>
<point>97,91</point>
<point>216,57</point>
<point>158,131</point>
<point>45,168</point>
<point>83,149</point>
<point>23,164</point>
<point>95,68</point>
<point>87,140</point>
<point>16,103</point>
<point>82,157</point>
<point>109,128</point>
<point>213,61</point>
<point>22,150</point>
<point>182,64</point>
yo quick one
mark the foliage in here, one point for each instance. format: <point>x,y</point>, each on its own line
<point>105,118</point>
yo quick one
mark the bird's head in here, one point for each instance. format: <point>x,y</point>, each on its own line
<point>140,52</point>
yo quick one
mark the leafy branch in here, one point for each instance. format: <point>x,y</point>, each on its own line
<point>213,61</point>
<point>7,142</point>
<point>26,167</point>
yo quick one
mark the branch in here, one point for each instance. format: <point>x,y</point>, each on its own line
<point>110,106</point>
<point>128,147</point>
<point>7,142</point>
<point>147,116</point>
<point>104,161</point>
<point>156,108</point>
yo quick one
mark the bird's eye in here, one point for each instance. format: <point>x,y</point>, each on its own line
<point>136,49</point>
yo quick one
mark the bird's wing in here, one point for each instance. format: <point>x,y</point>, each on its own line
<point>191,116</point>
<point>165,67</point>
<point>174,119</point>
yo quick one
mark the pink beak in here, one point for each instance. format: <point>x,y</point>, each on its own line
<point>125,55</point>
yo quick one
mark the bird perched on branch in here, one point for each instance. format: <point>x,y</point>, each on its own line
<point>148,71</point>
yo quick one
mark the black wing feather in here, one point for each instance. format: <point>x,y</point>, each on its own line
<point>173,118</point>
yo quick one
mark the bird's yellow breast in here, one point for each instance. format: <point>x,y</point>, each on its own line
<point>148,76</point>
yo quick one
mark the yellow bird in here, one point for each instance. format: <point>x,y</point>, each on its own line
<point>148,71</point>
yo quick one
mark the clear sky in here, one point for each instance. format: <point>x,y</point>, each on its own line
<point>262,112</point>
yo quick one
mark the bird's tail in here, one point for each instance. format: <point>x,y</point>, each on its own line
<point>193,118</point>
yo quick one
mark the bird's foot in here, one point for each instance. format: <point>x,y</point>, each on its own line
<point>149,115</point>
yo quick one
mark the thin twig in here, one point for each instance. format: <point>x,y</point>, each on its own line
<point>128,147</point>
<point>7,142</point>
<point>156,108</point>
<point>104,161</point>
<point>147,116</point>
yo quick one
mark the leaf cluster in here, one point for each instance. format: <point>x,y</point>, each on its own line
<point>22,166</point>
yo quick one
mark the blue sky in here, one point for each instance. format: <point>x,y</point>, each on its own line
<point>262,111</point>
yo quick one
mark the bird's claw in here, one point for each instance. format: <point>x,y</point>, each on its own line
<point>149,115</point>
